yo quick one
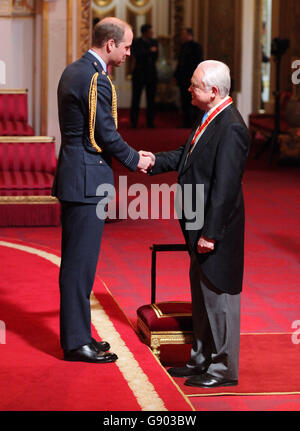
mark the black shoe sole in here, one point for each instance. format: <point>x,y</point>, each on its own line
<point>92,361</point>
<point>193,374</point>
<point>212,386</point>
<point>185,375</point>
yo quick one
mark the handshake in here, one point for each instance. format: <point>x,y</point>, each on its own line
<point>146,162</point>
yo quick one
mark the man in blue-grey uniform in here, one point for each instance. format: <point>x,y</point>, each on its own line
<point>89,139</point>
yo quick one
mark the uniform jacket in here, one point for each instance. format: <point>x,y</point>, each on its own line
<point>80,168</point>
<point>217,161</point>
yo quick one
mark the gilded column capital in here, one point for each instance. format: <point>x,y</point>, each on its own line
<point>17,7</point>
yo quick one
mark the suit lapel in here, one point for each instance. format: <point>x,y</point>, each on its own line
<point>186,150</point>
<point>204,139</point>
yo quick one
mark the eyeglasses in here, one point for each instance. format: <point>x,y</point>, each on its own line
<point>195,87</point>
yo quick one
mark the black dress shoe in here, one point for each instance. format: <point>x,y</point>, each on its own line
<point>208,381</point>
<point>102,346</point>
<point>184,371</point>
<point>89,353</point>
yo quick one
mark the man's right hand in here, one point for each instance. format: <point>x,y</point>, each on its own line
<point>147,160</point>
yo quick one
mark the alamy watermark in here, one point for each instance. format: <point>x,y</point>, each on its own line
<point>188,202</point>
<point>2,332</point>
<point>296,333</point>
<point>296,73</point>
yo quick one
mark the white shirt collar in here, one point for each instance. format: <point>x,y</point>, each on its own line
<point>214,107</point>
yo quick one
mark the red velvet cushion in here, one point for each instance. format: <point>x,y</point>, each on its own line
<point>13,107</point>
<point>24,183</point>
<point>167,316</point>
<point>15,128</point>
<point>28,156</point>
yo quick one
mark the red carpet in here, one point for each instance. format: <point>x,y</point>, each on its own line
<point>266,364</point>
<point>270,300</point>
<point>33,375</point>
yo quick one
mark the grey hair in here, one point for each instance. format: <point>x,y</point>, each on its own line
<point>216,74</point>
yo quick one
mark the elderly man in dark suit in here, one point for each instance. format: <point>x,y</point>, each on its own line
<point>88,122</point>
<point>215,156</point>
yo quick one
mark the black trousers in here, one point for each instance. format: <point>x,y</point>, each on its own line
<point>80,246</point>
<point>137,87</point>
